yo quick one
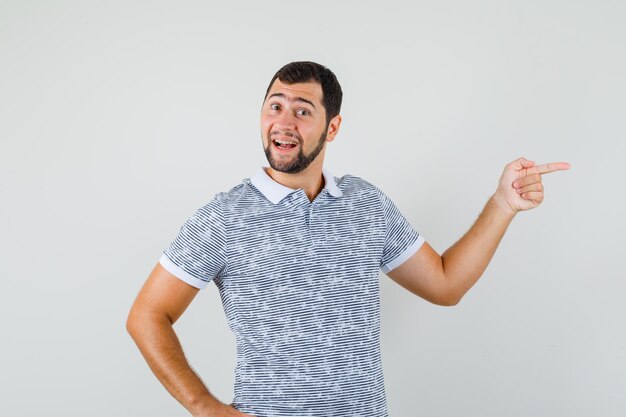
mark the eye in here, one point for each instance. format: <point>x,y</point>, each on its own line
<point>274,107</point>
<point>303,112</point>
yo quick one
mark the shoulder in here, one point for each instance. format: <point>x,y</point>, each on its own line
<point>238,198</point>
<point>357,186</point>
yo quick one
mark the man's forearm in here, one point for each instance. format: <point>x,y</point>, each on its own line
<point>163,352</point>
<point>466,260</point>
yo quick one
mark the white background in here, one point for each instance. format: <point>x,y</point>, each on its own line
<point>118,119</point>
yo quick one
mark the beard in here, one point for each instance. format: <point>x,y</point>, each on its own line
<point>300,162</point>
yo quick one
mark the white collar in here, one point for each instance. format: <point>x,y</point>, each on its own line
<point>275,191</point>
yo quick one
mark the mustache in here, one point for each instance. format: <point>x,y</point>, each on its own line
<point>286,133</point>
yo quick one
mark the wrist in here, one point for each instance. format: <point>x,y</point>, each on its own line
<point>502,205</point>
<point>205,406</point>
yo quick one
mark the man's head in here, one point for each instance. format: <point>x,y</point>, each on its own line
<point>307,71</point>
<point>301,110</point>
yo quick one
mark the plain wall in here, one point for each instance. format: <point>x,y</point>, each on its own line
<point>118,119</point>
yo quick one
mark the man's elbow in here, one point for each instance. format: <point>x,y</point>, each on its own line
<point>449,300</point>
<point>450,297</point>
<point>445,299</point>
<point>132,323</point>
<point>141,320</point>
<point>137,321</point>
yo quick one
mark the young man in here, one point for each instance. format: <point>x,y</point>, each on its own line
<point>295,254</point>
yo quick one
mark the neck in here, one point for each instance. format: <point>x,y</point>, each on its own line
<point>310,179</point>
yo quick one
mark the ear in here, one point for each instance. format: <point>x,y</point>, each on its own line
<point>333,128</point>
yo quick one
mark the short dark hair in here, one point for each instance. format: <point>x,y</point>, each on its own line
<point>304,71</point>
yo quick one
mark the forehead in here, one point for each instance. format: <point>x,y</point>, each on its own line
<point>310,90</point>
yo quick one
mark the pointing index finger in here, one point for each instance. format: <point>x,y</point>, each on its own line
<point>546,168</point>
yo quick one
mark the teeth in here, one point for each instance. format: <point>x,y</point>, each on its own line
<point>284,142</point>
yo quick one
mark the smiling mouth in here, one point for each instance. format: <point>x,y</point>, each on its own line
<point>284,145</point>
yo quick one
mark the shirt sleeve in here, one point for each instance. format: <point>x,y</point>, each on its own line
<point>198,253</point>
<point>401,240</point>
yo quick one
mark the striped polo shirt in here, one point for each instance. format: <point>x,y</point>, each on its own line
<point>299,283</point>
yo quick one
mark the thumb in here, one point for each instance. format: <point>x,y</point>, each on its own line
<point>524,163</point>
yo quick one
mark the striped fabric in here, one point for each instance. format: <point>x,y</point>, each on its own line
<point>299,283</point>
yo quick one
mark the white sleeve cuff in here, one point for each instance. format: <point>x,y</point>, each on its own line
<point>181,273</point>
<point>404,256</point>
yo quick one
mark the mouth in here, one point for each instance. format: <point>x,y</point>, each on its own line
<point>284,145</point>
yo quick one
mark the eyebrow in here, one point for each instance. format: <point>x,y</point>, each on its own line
<point>281,95</point>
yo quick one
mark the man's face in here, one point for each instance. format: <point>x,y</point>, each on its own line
<point>293,125</point>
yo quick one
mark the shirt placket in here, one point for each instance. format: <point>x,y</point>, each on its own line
<point>315,219</point>
<point>311,210</point>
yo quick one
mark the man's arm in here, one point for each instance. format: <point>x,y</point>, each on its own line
<point>445,279</point>
<point>161,301</point>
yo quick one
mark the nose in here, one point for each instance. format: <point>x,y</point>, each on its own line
<point>286,120</point>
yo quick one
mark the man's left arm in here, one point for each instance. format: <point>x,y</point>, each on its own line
<point>445,279</point>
